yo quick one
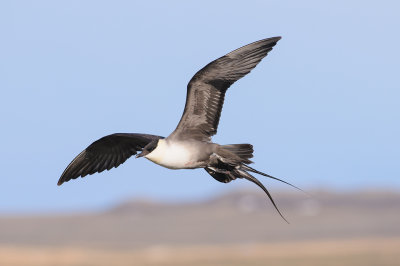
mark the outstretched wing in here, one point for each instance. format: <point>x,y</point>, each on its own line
<point>108,152</point>
<point>206,90</point>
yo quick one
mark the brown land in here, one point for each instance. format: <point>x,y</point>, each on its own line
<point>359,228</point>
<point>343,252</point>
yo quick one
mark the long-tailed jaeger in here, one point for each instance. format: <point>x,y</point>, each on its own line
<point>189,146</point>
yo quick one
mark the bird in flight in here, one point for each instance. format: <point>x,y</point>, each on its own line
<point>189,146</point>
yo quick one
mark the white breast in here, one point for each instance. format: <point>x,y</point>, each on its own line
<point>171,155</point>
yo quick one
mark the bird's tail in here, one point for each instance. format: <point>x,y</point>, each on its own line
<point>246,175</point>
<point>243,152</point>
<point>233,163</point>
<point>226,173</point>
<point>248,168</point>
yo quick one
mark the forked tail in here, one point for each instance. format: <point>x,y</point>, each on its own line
<point>232,162</point>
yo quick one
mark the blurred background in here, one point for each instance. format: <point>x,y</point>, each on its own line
<point>322,111</point>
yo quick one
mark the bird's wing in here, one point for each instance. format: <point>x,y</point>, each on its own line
<point>108,152</point>
<point>206,90</point>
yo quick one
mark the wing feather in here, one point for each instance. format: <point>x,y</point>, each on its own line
<point>206,90</point>
<point>105,153</point>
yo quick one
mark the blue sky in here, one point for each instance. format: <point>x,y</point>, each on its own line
<point>322,110</point>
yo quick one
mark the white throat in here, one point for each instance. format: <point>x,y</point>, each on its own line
<point>173,155</point>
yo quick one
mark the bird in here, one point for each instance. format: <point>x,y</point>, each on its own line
<point>189,146</point>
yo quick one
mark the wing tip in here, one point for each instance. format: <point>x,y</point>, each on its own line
<point>277,38</point>
<point>62,180</point>
<point>272,40</point>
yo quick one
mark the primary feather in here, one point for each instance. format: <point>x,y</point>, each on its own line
<point>206,90</point>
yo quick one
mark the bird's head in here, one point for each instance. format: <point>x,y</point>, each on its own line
<point>148,148</point>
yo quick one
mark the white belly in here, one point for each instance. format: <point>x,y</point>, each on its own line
<point>174,156</point>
